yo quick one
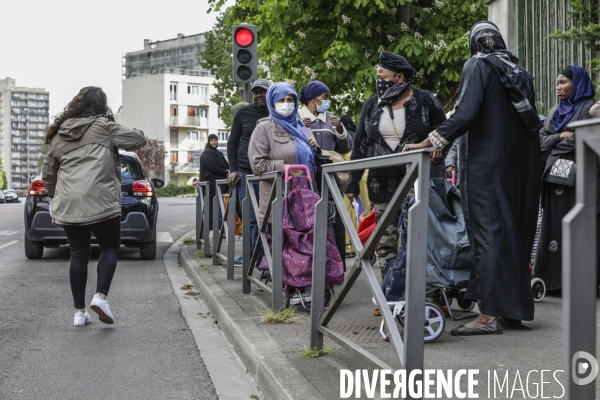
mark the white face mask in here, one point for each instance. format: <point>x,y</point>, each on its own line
<point>285,109</point>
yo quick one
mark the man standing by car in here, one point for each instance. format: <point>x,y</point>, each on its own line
<point>242,127</point>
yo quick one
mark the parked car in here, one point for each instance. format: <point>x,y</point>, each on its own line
<point>11,196</point>
<point>2,200</point>
<point>139,207</point>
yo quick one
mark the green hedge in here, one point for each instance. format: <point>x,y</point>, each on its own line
<point>172,190</point>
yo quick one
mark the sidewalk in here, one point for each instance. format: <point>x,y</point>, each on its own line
<point>272,353</point>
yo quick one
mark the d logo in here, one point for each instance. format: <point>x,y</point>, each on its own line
<point>581,364</point>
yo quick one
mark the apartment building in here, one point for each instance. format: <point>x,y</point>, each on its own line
<point>171,103</point>
<point>24,117</point>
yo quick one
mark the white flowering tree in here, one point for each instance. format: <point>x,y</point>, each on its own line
<point>339,41</point>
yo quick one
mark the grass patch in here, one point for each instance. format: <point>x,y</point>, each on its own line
<point>186,287</point>
<point>286,316</point>
<point>192,293</point>
<point>314,353</point>
<point>188,241</point>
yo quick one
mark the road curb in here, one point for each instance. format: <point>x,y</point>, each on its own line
<point>273,373</point>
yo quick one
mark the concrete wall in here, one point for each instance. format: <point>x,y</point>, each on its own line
<point>502,13</point>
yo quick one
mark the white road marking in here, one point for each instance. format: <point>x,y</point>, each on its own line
<point>164,237</point>
<point>8,233</point>
<point>8,244</point>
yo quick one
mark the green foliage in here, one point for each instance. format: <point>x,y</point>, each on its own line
<point>42,158</point>
<point>3,181</point>
<point>172,190</point>
<point>314,353</point>
<point>585,28</point>
<point>338,42</point>
<point>285,316</point>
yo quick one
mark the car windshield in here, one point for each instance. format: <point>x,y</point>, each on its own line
<point>10,191</point>
<point>130,171</point>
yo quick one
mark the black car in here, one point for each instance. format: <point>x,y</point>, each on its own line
<point>139,207</point>
<point>11,196</point>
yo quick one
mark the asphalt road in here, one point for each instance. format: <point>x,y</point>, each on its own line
<point>149,353</point>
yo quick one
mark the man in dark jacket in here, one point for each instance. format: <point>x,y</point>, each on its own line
<point>213,167</point>
<point>242,127</point>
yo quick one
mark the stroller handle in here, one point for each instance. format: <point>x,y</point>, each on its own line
<point>296,167</point>
<point>452,180</point>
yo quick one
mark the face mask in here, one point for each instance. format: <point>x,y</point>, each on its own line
<point>324,106</point>
<point>383,85</point>
<point>285,109</point>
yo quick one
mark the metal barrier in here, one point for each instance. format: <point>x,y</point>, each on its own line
<point>202,218</point>
<point>410,354</point>
<point>228,223</point>
<point>579,259</point>
<point>273,256</point>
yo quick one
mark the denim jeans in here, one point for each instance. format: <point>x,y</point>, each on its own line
<point>253,223</point>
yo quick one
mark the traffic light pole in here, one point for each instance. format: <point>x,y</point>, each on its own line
<point>247,94</point>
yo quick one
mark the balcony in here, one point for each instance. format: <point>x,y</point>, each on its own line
<point>189,122</point>
<point>183,168</point>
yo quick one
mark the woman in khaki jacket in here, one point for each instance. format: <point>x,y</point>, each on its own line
<point>279,140</point>
<point>82,175</point>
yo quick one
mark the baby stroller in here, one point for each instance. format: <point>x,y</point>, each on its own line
<point>298,231</point>
<point>449,260</point>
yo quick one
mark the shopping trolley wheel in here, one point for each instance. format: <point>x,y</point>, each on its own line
<point>286,298</point>
<point>329,294</point>
<point>464,304</point>
<point>538,287</point>
<point>435,322</point>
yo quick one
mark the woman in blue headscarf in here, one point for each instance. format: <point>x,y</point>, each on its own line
<point>279,140</point>
<point>576,93</point>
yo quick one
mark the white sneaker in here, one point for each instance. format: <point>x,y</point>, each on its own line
<point>101,307</point>
<point>82,319</point>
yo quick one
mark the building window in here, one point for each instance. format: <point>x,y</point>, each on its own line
<point>204,93</point>
<point>192,135</point>
<point>198,112</point>
<point>173,91</point>
<point>193,89</point>
<point>173,157</point>
<point>173,111</point>
<point>219,111</point>
<point>223,135</point>
<point>174,139</point>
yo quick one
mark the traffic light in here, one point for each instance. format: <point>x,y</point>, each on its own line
<point>244,53</point>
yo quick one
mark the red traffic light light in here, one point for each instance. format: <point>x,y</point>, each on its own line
<point>244,37</point>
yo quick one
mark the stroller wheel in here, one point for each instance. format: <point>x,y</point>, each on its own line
<point>538,287</point>
<point>464,304</point>
<point>435,322</point>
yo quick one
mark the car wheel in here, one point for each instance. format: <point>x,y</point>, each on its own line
<point>148,249</point>
<point>33,250</point>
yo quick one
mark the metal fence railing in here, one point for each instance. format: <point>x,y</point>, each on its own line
<point>226,224</point>
<point>579,259</point>
<point>409,353</point>
<point>202,218</point>
<point>272,250</point>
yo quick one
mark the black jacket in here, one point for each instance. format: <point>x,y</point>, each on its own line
<point>213,165</point>
<point>242,127</point>
<point>423,112</point>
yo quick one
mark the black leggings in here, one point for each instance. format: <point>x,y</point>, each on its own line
<point>108,234</point>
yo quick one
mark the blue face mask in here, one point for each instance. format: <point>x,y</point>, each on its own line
<point>324,106</point>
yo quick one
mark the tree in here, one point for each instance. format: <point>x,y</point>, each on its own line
<point>585,28</point>
<point>338,42</point>
<point>3,181</point>
<point>152,157</point>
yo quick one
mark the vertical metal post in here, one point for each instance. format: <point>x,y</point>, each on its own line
<point>276,241</point>
<point>231,206</point>
<point>199,216</point>
<point>215,226</point>
<point>246,242</point>
<point>247,95</point>
<point>580,260</point>
<point>416,258</point>
<point>206,221</point>
<point>318,267</point>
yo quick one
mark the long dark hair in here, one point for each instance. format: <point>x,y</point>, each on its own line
<point>90,101</point>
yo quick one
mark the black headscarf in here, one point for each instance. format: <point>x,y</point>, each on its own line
<point>209,147</point>
<point>397,64</point>
<point>487,43</point>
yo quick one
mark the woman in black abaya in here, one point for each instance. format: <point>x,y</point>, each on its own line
<point>500,178</point>
<point>213,167</point>
<point>576,93</point>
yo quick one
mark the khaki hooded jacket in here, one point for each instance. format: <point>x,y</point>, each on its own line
<point>82,171</point>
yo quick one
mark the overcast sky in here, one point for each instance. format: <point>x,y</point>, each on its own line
<point>64,45</point>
